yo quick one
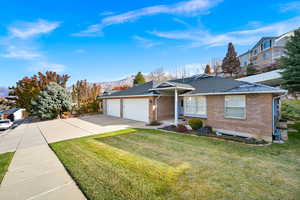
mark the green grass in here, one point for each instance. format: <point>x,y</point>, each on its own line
<point>4,163</point>
<point>151,164</point>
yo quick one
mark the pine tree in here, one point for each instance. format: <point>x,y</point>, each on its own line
<point>139,79</point>
<point>231,63</point>
<point>290,64</point>
<point>207,69</point>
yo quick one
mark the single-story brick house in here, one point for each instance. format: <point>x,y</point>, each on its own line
<point>228,106</point>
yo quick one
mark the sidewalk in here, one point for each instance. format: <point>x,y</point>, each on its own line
<point>10,139</point>
<point>35,172</point>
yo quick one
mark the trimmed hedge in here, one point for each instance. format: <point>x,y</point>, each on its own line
<point>195,123</point>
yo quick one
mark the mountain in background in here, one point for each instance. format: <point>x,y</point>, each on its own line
<point>109,85</point>
<point>3,91</point>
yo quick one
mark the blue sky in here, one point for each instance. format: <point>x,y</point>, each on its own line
<point>107,40</point>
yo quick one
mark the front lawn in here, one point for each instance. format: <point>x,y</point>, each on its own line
<point>4,163</point>
<point>151,164</point>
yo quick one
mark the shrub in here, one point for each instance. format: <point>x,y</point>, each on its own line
<point>209,129</point>
<point>181,128</point>
<point>195,123</point>
<point>290,110</point>
<point>154,123</point>
<point>251,70</point>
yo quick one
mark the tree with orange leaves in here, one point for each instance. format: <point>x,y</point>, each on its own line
<point>28,88</point>
<point>122,87</point>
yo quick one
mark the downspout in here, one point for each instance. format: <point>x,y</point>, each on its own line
<point>273,109</point>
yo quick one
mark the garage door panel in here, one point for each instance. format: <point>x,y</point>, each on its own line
<point>113,107</point>
<point>136,109</point>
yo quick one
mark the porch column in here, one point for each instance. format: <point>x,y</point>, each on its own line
<point>176,108</point>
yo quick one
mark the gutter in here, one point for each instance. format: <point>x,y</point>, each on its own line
<point>273,108</point>
<point>143,95</point>
<point>217,93</point>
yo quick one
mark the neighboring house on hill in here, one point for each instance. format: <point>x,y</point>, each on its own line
<point>265,52</point>
<point>13,114</point>
<point>228,106</point>
<point>271,78</point>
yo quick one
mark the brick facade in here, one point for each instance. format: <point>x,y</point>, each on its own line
<point>165,108</point>
<point>258,122</point>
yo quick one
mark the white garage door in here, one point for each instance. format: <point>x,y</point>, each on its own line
<point>136,109</point>
<point>113,107</point>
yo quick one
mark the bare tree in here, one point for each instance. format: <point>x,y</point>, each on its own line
<point>207,69</point>
<point>158,75</point>
<point>215,64</point>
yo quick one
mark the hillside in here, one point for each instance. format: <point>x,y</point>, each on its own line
<point>3,91</point>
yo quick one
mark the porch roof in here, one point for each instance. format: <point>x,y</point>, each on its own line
<point>170,85</point>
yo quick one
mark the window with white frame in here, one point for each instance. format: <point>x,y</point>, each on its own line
<point>195,105</point>
<point>235,106</point>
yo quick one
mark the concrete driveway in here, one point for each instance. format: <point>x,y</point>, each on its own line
<point>35,172</point>
<point>63,129</point>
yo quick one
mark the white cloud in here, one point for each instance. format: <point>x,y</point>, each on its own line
<point>291,6</point>
<point>146,43</point>
<point>191,7</point>
<point>242,37</point>
<point>43,66</point>
<point>254,24</point>
<point>21,43</point>
<point>107,13</point>
<point>80,51</point>
<point>26,30</point>
<point>180,21</point>
<point>14,52</point>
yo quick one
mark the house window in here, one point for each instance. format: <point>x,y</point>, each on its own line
<point>266,55</point>
<point>235,106</point>
<point>266,44</point>
<point>255,52</point>
<point>195,105</point>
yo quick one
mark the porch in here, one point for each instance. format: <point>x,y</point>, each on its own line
<point>174,90</point>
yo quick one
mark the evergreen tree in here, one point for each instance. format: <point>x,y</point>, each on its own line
<point>290,64</point>
<point>139,79</point>
<point>51,102</point>
<point>231,63</point>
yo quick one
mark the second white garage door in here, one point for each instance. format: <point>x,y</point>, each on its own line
<point>113,107</point>
<point>136,109</point>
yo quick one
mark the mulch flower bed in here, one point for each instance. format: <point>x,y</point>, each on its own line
<point>214,135</point>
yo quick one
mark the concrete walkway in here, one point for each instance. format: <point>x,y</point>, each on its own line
<point>35,172</point>
<point>10,139</point>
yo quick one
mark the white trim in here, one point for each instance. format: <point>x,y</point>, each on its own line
<point>195,115</point>
<point>217,93</point>
<point>168,88</point>
<point>142,95</point>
